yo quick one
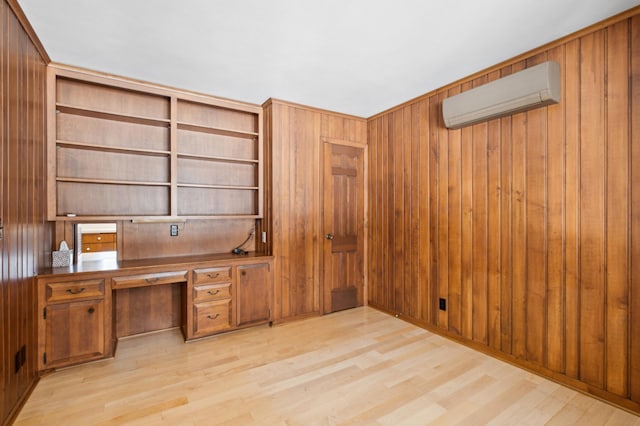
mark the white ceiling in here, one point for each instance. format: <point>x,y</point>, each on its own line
<point>353,56</point>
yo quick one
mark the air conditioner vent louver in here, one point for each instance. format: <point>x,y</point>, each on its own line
<point>530,88</point>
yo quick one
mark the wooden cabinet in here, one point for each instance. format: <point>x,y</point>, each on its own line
<point>74,321</point>
<point>82,313</point>
<point>212,307</point>
<point>97,242</point>
<point>122,149</point>
<point>255,294</point>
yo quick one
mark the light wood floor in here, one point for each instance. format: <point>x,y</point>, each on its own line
<point>353,367</point>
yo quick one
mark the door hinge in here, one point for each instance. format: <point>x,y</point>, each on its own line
<point>44,358</point>
<point>44,313</point>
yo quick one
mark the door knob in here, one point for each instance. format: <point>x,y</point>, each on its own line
<point>329,236</point>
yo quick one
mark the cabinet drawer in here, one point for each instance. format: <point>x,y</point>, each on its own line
<point>212,275</point>
<point>203,293</point>
<point>98,238</point>
<point>148,279</point>
<point>73,290</point>
<point>97,247</point>
<point>211,316</point>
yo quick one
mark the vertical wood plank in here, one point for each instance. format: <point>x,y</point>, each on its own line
<point>374,227</point>
<point>425,219</point>
<point>592,209</point>
<point>443,216</point>
<point>416,246</point>
<point>634,355</point>
<point>536,212</point>
<point>555,224</point>
<point>572,209</point>
<point>434,219</point>
<point>390,209</point>
<point>479,235</point>
<point>466,165</point>
<point>494,227</point>
<point>518,248</point>
<point>454,302</point>
<point>396,141</point>
<point>617,226</point>
<point>506,267</point>
<point>408,252</point>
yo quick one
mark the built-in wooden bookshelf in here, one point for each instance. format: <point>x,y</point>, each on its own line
<point>121,149</point>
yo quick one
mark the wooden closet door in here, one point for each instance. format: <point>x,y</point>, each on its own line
<point>343,221</point>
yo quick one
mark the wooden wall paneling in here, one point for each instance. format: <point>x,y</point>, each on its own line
<point>454,178</point>
<point>466,241</point>
<point>434,219</point>
<point>407,188</point>
<point>540,216</point>
<point>518,243</point>
<point>506,258</point>
<point>414,279</point>
<point>389,206</point>
<point>493,228</point>
<point>592,208</point>
<point>443,217</point>
<point>25,231</point>
<point>153,240</point>
<point>572,210</point>
<point>3,282</point>
<point>424,258</point>
<point>536,232</point>
<point>479,233</point>
<point>617,209</point>
<point>396,137</point>
<point>634,167</point>
<point>555,187</point>
<point>374,233</point>
<point>308,192</point>
<point>281,217</point>
<point>295,135</point>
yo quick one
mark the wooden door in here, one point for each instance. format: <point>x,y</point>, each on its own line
<point>343,222</point>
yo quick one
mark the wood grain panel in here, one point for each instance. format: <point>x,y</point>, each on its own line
<point>424,255</point>
<point>536,232</point>
<point>592,208</point>
<point>294,135</point>
<point>617,207</point>
<point>479,232</point>
<point>528,224</point>
<point>555,169</point>
<point>454,301</point>
<point>634,288</point>
<point>26,235</point>
<point>572,210</point>
<point>493,229</point>
<point>466,170</point>
<point>443,217</point>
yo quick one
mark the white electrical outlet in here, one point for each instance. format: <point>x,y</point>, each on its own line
<point>264,237</point>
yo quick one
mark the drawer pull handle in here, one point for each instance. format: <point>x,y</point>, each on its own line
<point>99,238</point>
<point>216,275</point>
<point>91,310</point>
<point>213,293</point>
<point>75,290</point>
<point>213,318</point>
<point>152,280</point>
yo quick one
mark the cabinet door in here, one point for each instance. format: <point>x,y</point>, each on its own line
<point>74,332</point>
<point>254,293</point>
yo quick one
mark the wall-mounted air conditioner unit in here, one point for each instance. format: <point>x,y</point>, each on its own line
<point>530,88</point>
